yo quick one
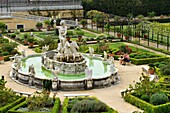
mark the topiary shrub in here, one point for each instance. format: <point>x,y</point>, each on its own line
<point>5,53</point>
<point>165,69</point>
<point>13,35</point>
<point>158,98</point>
<point>145,97</point>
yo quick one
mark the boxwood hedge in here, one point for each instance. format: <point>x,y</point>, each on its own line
<point>147,60</point>
<point>164,108</point>
<point>7,107</point>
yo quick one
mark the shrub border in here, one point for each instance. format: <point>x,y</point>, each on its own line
<point>56,107</point>
<point>9,106</point>
<point>164,108</point>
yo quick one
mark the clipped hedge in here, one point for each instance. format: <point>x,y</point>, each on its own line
<point>160,20</point>
<point>55,109</point>
<point>6,58</point>
<point>164,108</point>
<point>147,60</point>
<point>7,107</point>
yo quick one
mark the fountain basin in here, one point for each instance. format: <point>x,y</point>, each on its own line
<point>101,76</point>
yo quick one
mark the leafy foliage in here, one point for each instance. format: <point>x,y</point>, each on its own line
<point>165,69</point>
<point>48,41</point>
<point>158,98</point>
<point>85,105</point>
<point>9,47</point>
<point>125,49</point>
<point>145,86</point>
<point>145,97</point>
<point>89,106</point>
<point>2,26</point>
<point>124,7</point>
<point>39,25</point>
<point>39,100</point>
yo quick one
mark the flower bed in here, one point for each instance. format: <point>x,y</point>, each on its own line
<point>148,95</point>
<point>20,108</point>
<point>84,105</point>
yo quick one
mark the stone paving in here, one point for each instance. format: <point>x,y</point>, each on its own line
<point>110,95</point>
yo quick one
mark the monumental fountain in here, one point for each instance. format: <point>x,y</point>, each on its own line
<point>65,67</point>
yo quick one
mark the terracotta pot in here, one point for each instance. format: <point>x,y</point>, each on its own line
<point>1,58</point>
<point>126,37</point>
<point>25,42</point>
<point>118,35</point>
<point>80,38</point>
<point>151,71</point>
<point>145,36</point>
<point>31,44</point>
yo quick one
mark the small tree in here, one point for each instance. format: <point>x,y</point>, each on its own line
<point>48,24</point>
<point>83,22</point>
<point>151,14</point>
<point>39,26</point>
<point>2,27</point>
<point>107,27</point>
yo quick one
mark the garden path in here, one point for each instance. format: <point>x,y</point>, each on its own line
<point>110,95</point>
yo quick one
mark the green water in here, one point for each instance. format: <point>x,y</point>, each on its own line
<point>99,69</point>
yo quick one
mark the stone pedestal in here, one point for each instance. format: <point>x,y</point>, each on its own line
<point>89,84</point>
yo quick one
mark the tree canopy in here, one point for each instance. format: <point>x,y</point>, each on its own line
<point>124,7</point>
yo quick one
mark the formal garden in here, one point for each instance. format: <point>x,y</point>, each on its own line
<point>144,36</point>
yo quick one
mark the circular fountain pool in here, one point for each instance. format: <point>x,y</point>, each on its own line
<point>101,75</point>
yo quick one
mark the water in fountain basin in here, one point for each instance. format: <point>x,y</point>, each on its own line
<point>100,70</point>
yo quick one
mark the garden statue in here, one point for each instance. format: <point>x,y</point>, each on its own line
<point>62,34</point>
<point>70,50</point>
<point>31,71</point>
<point>77,23</point>
<point>91,51</point>
<point>16,56</point>
<point>31,34</point>
<point>23,53</point>
<point>17,65</point>
<point>112,65</point>
<point>45,48</point>
<point>105,56</point>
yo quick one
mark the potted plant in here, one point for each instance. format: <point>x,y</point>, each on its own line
<point>31,41</point>
<point>48,24</point>
<point>79,34</point>
<point>39,25</point>
<point>83,22</point>
<point>151,69</point>
<point>118,30</point>
<point>1,57</point>
<point>25,39</point>
<point>127,32</point>
<point>69,35</point>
